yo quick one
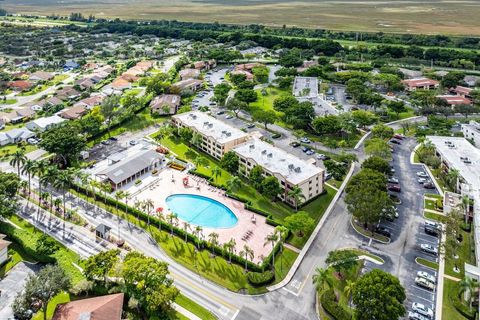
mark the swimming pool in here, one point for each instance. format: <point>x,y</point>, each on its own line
<point>201,211</point>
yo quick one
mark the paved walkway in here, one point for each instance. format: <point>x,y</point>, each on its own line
<point>12,284</point>
<point>185,312</point>
<point>451,278</point>
<point>290,247</point>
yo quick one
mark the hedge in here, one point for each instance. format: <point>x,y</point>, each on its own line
<point>329,303</point>
<point>259,279</point>
<point>459,306</point>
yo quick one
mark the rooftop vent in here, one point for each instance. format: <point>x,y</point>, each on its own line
<point>229,134</point>
<point>264,152</point>
<point>205,123</point>
<point>270,155</point>
<point>210,125</point>
<point>291,166</point>
<point>297,169</point>
<point>252,146</point>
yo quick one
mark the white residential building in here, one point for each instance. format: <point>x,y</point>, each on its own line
<point>290,170</point>
<point>471,131</point>
<point>44,124</point>
<point>217,137</point>
<point>15,136</point>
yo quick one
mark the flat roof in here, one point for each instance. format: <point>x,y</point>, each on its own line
<point>276,160</point>
<point>210,126</point>
<point>302,83</point>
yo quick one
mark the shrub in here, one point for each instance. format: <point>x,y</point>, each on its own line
<point>329,303</point>
<point>137,182</point>
<point>258,279</point>
<point>439,204</point>
<point>461,307</point>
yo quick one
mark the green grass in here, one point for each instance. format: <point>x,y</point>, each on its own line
<point>133,91</point>
<point>58,78</point>
<point>430,204</point>
<point>60,298</point>
<point>194,308</point>
<point>29,235</point>
<point>367,233</point>
<point>8,101</point>
<point>465,254</point>
<point>433,195</point>
<point>427,263</point>
<point>434,216</point>
<point>16,255</point>
<point>448,309</point>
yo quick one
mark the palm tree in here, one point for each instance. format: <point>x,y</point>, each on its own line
<point>106,188</point>
<point>164,132</point>
<point>467,287</point>
<point>213,237</point>
<point>149,205</point>
<point>186,226</point>
<point>199,161</point>
<point>196,139</point>
<point>466,206</point>
<point>57,203</point>
<point>452,179</point>
<point>216,172</point>
<point>229,247</point>
<point>171,217</point>
<point>18,159</point>
<point>234,184</point>
<point>138,206</point>
<point>297,195</point>
<point>322,278</point>
<point>23,186</point>
<point>198,231</point>
<point>348,289</point>
<point>29,169</point>
<point>160,218</point>
<point>282,236</point>
<point>118,195</point>
<point>49,178</point>
<point>247,252</point>
<point>62,181</point>
<point>272,238</point>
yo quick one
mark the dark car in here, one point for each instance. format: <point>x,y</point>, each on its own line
<point>113,139</point>
<point>383,231</point>
<point>250,126</point>
<point>395,141</point>
<point>305,149</point>
<point>431,231</point>
<point>429,185</point>
<point>394,187</point>
<point>295,144</point>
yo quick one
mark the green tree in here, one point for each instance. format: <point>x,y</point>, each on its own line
<point>301,116</point>
<point>265,117</point>
<point>234,184</point>
<point>98,266</point>
<point>367,204</point>
<point>342,260</point>
<point>216,172</point>
<point>329,124</point>
<point>18,160</point>
<point>220,93</point>
<point>377,164</point>
<point>256,177</point>
<point>65,141</point>
<point>452,79</point>
<point>272,238</point>
<point>46,245</point>
<point>147,280</point>
<point>235,105</point>
<point>230,162</point>
<point>109,109</point>
<point>284,103</point>
<point>321,278</point>
<point>382,131</point>
<point>378,147</point>
<point>246,95</point>
<point>297,195</point>
<point>378,295</point>
<point>367,177</point>
<point>271,187</point>
<point>336,169</point>
<point>363,118</point>
<point>300,223</point>
<point>29,169</point>
<point>396,106</point>
<point>185,134</point>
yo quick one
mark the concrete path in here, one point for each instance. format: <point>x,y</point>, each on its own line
<point>185,312</point>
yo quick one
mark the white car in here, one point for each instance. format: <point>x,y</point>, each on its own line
<point>422,309</point>
<point>428,248</point>
<point>416,316</point>
<point>427,276</point>
<point>422,174</point>
<point>422,180</point>
<point>229,116</point>
<point>305,140</point>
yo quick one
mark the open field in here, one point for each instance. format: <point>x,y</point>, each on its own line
<point>423,16</point>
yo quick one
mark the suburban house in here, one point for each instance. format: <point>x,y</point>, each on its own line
<point>459,154</point>
<point>3,249</point>
<point>306,65</point>
<point>41,76</point>
<point>120,84</point>
<point>125,169</point>
<point>70,65</point>
<point>471,131</point>
<point>44,124</point>
<point>20,85</point>
<point>17,115</point>
<point>455,100</point>
<point>129,77</point>
<point>248,66</point>
<point>289,170</point>
<point>189,74</point>
<point>15,136</point>
<point>67,93</point>
<point>248,75</point>
<point>189,84</point>
<point>420,84</point>
<point>165,104</point>
<point>217,137</point>
<point>84,83</point>
<point>204,65</point>
<point>73,113</point>
<point>109,307</point>
<point>462,91</point>
<point>91,101</point>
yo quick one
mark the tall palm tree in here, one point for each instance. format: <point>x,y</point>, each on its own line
<point>186,227</point>
<point>137,205</point>
<point>118,195</point>
<point>321,278</point>
<point>49,178</point>
<point>247,252</point>
<point>229,247</point>
<point>467,287</point>
<point>216,172</point>
<point>297,195</point>
<point>29,169</point>
<point>18,159</point>
<point>466,206</point>
<point>164,132</point>
<point>272,238</point>
<point>213,239</point>
<point>452,178</point>
<point>234,184</point>
<point>23,186</point>
<point>170,218</point>
<point>62,181</point>
<point>199,232</point>
<point>126,196</point>
<point>196,139</point>
<point>149,205</point>
<point>282,233</point>
<point>348,289</point>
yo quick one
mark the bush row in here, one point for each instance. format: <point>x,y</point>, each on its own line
<point>259,279</point>
<point>181,233</point>
<point>461,307</point>
<point>329,303</point>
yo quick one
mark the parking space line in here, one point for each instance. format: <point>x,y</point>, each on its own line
<point>424,290</point>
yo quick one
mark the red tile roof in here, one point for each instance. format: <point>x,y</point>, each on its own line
<point>99,308</point>
<point>455,100</point>
<point>420,82</point>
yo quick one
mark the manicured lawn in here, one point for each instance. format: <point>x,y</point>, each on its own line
<point>427,263</point>
<point>7,150</point>
<point>59,78</point>
<point>464,253</point>
<point>8,101</point>
<point>448,309</point>
<point>194,308</point>
<point>16,254</point>
<point>434,216</point>
<point>29,235</point>
<point>430,204</point>
<point>266,102</point>
<point>360,252</point>
<point>63,297</point>
<point>133,91</point>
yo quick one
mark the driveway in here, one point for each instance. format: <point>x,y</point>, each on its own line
<point>12,284</point>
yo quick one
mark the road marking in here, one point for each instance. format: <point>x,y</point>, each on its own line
<point>290,291</point>
<point>424,290</point>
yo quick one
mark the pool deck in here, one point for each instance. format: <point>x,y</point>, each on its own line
<point>169,182</point>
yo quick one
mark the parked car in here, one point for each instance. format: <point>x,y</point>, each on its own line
<point>422,309</point>
<point>294,144</point>
<point>394,187</point>
<point>133,142</point>
<point>431,231</point>
<point>428,276</point>
<point>383,231</point>
<point>392,170</point>
<point>424,283</point>
<point>399,136</point>
<point>305,140</point>
<point>305,149</point>
<point>310,152</point>
<point>432,224</point>
<point>395,141</point>
<point>106,142</point>
<point>219,113</point>
<point>422,180</point>
<point>393,180</point>
<point>113,139</point>
<point>429,185</point>
<point>428,248</point>
<point>251,125</point>
<point>416,316</point>
<point>321,156</point>
<point>229,116</point>
<point>422,174</point>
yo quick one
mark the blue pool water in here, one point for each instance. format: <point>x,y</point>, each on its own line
<point>201,211</point>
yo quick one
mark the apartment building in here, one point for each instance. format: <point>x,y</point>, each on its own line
<point>217,136</point>
<point>471,131</point>
<point>290,170</point>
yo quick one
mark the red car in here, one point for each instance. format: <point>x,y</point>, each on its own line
<point>394,187</point>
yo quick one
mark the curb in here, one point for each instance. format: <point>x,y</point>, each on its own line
<point>314,234</point>
<point>371,238</point>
